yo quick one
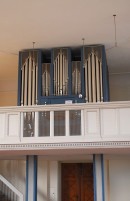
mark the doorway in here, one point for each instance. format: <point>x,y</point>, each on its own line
<point>77,182</point>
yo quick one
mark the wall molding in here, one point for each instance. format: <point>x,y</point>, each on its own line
<point>49,146</point>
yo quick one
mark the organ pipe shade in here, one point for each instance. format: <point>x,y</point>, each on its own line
<point>60,64</point>
<point>93,74</point>
<point>29,78</point>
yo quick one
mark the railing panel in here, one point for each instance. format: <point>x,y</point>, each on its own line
<point>109,122</point>
<point>124,121</point>
<point>13,124</point>
<point>92,122</point>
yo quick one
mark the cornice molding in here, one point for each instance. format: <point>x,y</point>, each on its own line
<point>55,146</point>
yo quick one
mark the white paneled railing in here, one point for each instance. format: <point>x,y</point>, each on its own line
<point>65,123</point>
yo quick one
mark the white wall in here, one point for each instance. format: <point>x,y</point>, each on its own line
<point>119,86</point>
<point>117,183</point>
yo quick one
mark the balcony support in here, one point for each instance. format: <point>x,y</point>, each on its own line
<point>31,178</point>
<point>98,172</point>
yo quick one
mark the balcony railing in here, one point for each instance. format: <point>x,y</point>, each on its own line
<point>65,123</point>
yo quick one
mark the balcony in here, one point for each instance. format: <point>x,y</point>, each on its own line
<point>96,126</point>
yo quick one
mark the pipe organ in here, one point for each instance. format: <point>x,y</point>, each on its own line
<point>76,75</point>
<point>63,74</point>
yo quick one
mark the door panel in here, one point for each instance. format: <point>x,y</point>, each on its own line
<point>77,182</point>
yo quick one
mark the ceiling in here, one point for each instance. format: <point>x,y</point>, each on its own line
<point>63,23</point>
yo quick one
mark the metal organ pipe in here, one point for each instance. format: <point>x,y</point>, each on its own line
<point>86,79</point>
<point>100,66</point>
<point>25,83</point>
<point>22,86</point>
<point>33,83</point>
<point>29,80</point>
<point>97,80</point>
<point>63,75</point>
<point>55,78</point>
<point>36,84</point>
<point>93,78</point>
<point>66,76</point>
<point>76,77</point>
<point>58,76</point>
<point>60,69</point>
<point>46,79</point>
<point>89,81</point>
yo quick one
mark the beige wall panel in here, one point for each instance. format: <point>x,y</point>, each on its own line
<point>8,98</point>
<point>119,176</point>
<point>119,87</point>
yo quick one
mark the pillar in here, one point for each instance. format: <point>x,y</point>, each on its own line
<point>31,178</point>
<point>98,170</point>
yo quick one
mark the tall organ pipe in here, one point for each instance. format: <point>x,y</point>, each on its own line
<point>29,80</point>
<point>97,80</point>
<point>22,88</point>
<point>89,80</point>
<point>86,79</point>
<point>93,78</point>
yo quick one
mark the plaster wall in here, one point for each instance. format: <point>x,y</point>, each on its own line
<point>117,179</point>
<point>119,85</point>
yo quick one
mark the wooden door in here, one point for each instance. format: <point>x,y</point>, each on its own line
<point>77,182</point>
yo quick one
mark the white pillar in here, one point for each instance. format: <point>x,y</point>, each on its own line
<point>31,178</point>
<point>98,177</point>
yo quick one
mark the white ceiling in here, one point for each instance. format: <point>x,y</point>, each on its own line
<point>54,23</point>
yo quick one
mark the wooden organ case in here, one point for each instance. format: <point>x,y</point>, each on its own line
<point>59,75</point>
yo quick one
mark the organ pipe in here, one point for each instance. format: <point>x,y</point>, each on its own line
<point>97,80</point>
<point>101,95</point>
<point>89,80</point>
<point>93,77</point>
<point>33,84</point>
